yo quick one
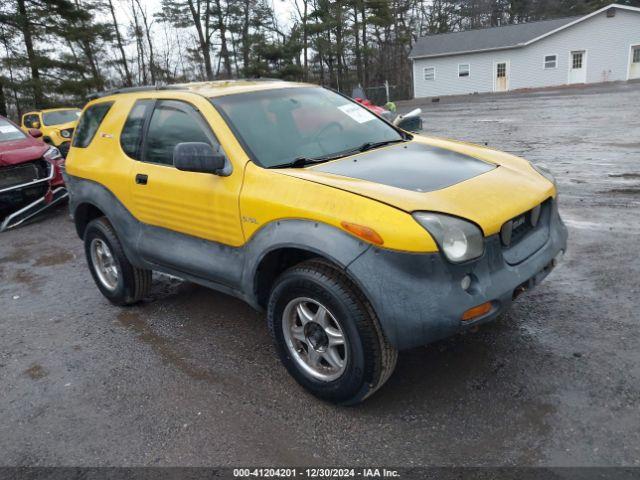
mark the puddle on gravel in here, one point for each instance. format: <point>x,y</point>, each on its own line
<point>19,255</point>
<point>622,191</point>
<point>27,277</point>
<point>623,145</point>
<point>629,176</point>
<point>162,347</point>
<point>53,259</point>
<point>36,372</point>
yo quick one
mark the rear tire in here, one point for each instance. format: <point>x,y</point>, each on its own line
<point>327,335</point>
<point>116,278</point>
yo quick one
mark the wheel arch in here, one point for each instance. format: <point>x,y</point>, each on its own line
<point>282,244</point>
<point>83,214</point>
<point>276,261</point>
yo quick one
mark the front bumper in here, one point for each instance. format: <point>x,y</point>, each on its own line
<point>38,194</point>
<point>419,298</point>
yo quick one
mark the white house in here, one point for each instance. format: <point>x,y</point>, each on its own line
<point>600,47</point>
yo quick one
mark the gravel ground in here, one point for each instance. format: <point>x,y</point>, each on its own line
<point>190,377</point>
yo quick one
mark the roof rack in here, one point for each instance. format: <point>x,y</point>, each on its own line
<point>146,88</point>
<point>180,86</point>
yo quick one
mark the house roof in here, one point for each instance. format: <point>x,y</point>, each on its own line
<point>496,38</point>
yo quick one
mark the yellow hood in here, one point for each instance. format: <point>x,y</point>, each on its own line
<point>489,198</point>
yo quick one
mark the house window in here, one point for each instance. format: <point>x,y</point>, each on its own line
<point>464,70</point>
<point>502,70</point>
<point>550,61</point>
<point>577,60</point>
<point>430,74</point>
<point>636,55</point>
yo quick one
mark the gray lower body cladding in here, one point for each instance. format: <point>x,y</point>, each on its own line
<point>232,270</point>
<point>419,298</point>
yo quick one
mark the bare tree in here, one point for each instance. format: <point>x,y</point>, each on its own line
<point>128,81</point>
<point>147,30</point>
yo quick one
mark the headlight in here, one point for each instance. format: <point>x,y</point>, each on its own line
<point>545,172</point>
<point>65,133</point>
<point>52,154</point>
<point>459,240</point>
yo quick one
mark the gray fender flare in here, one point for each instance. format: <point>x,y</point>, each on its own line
<point>318,238</point>
<point>87,192</point>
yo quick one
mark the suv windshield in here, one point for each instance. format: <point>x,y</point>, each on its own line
<point>60,116</point>
<point>279,127</point>
<point>8,131</point>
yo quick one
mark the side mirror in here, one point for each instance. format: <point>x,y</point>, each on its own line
<point>35,133</point>
<point>35,124</point>
<point>198,157</point>
<point>412,122</point>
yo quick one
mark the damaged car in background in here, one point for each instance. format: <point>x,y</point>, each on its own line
<point>30,175</point>
<point>56,124</point>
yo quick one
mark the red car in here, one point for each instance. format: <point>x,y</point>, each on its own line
<point>30,175</point>
<point>411,122</point>
<point>383,112</point>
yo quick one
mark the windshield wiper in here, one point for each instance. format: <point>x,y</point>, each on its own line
<point>373,145</point>
<point>302,162</point>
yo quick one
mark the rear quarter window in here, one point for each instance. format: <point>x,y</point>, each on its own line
<point>131,136</point>
<point>89,123</point>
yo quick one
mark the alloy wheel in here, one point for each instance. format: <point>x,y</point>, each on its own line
<point>104,264</point>
<point>315,339</point>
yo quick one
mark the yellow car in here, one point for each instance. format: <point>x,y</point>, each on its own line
<point>56,124</point>
<point>357,238</point>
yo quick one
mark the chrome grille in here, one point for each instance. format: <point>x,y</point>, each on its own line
<point>19,174</point>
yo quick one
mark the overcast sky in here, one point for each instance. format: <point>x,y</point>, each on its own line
<point>283,9</point>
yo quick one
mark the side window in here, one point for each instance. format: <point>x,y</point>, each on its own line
<point>430,74</point>
<point>173,122</point>
<point>31,120</point>
<point>131,136</point>
<point>89,123</point>
<point>550,61</point>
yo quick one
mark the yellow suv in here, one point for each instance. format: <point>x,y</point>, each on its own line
<point>357,238</point>
<point>56,125</point>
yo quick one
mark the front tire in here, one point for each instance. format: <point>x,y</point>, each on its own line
<point>116,278</point>
<point>327,335</point>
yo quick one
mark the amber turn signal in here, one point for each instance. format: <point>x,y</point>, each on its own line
<point>476,312</point>
<point>365,233</point>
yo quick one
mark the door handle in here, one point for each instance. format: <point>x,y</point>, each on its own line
<point>141,179</point>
